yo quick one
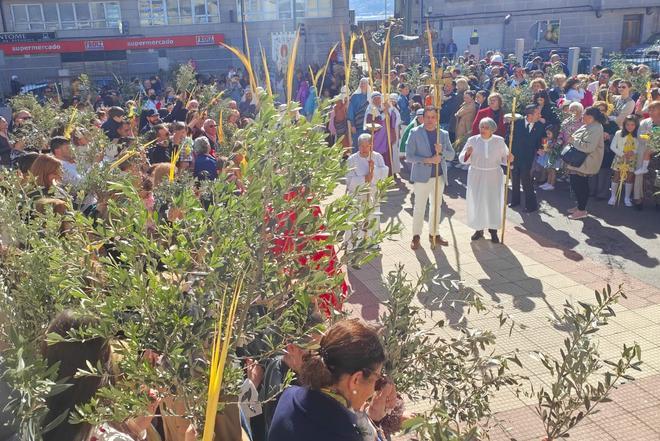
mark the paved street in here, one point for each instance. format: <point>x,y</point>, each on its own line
<point>547,259</point>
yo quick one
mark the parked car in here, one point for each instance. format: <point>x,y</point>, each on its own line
<point>650,48</point>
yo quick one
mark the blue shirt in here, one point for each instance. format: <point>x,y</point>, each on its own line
<point>206,167</point>
<point>433,140</point>
<point>404,109</point>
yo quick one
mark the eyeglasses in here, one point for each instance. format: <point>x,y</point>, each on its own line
<point>381,380</point>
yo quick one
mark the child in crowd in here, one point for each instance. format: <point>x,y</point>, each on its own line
<point>549,157</point>
<point>625,145</point>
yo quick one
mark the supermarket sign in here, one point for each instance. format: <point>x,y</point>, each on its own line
<point>110,44</point>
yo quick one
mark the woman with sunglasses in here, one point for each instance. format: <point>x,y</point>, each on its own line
<point>339,379</point>
<point>624,105</point>
<point>19,119</point>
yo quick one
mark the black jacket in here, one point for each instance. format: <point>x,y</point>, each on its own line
<point>110,128</point>
<point>526,143</point>
<point>450,106</point>
<point>549,114</point>
<point>159,154</point>
<point>608,157</point>
<point>5,152</point>
<point>178,113</point>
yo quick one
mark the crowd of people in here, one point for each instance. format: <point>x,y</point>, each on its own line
<point>589,128</point>
<point>599,115</point>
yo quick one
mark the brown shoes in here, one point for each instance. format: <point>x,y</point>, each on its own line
<point>415,245</point>
<point>438,240</point>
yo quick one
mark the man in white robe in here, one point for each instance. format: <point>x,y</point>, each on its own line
<point>485,153</point>
<point>365,169</point>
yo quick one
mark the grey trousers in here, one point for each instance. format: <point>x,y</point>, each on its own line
<point>599,185</point>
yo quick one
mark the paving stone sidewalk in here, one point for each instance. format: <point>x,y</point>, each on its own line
<point>531,277</point>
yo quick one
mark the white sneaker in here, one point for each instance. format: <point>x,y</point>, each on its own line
<point>627,202</point>
<point>612,201</point>
<point>549,187</point>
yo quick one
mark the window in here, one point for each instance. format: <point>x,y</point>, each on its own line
<point>318,8</point>
<point>83,17</point>
<point>185,12</point>
<point>284,9</point>
<point>51,18</point>
<point>54,16</point>
<point>185,8</point>
<point>98,15</point>
<point>199,11</point>
<point>67,16</point>
<point>632,31</point>
<point>112,15</point>
<point>28,17</point>
<point>19,14</point>
<point>36,17</point>
<point>260,10</point>
<point>300,7</point>
<point>173,11</point>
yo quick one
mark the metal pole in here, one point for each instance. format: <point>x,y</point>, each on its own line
<point>436,208</point>
<point>245,43</point>
<point>508,167</point>
<point>421,16</point>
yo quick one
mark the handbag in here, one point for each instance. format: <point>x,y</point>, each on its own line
<point>572,156</point>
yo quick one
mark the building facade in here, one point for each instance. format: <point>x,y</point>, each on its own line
<point>55,40</point>
<point>612,24</point>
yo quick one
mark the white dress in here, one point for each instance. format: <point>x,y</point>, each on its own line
<point>396,160</point>
<point>358,168</point>
<point>485,182</point>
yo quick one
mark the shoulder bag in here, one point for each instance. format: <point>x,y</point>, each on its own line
<point>572,156</point>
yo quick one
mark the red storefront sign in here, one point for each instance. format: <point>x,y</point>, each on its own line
<point>110,44</point>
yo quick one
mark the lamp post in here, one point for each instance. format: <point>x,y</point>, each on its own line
<point>245,43</point>
<point>421,16</point>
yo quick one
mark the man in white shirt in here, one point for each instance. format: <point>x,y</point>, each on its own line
<point>365,169</point>
<point>60,147</point>
<point>603,80</point>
